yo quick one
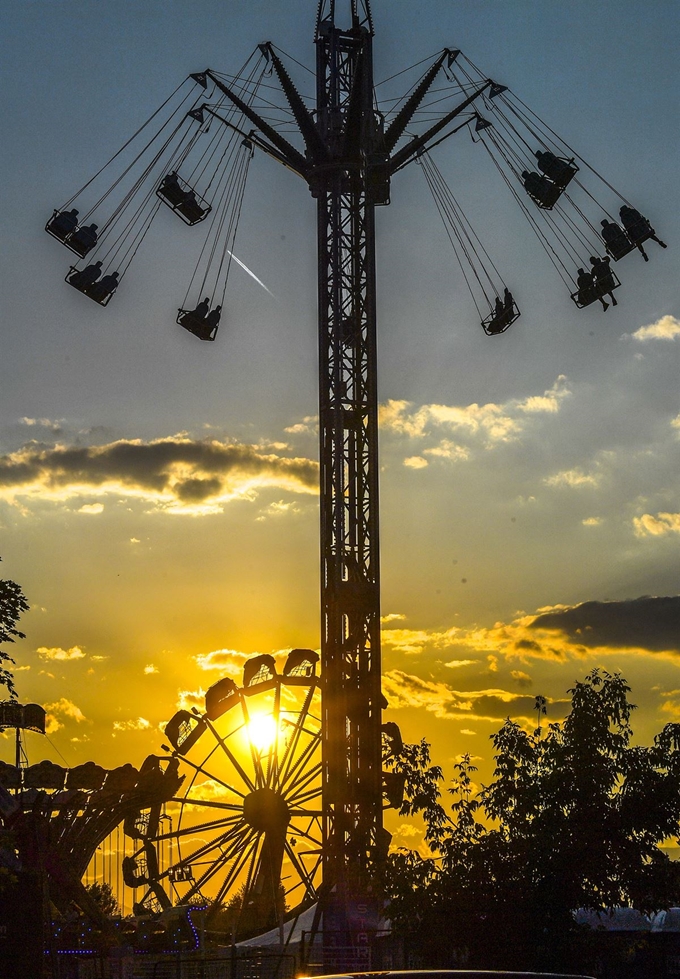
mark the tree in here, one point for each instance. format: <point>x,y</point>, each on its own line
<point>12,605</point>
<point>572,818</point>
<point>103,896</point>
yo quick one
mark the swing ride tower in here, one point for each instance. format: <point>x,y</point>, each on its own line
<point>347,164</point>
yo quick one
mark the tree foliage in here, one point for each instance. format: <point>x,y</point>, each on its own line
<point>103,896</point>
<point>572,818</point>
<point>12,605</point>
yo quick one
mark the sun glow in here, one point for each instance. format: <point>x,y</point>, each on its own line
<point>262,731</point>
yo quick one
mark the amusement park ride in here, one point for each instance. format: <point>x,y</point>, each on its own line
<point>274,823</point>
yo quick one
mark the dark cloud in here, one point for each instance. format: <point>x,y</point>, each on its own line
<point>641,623</point>
<point>178,468</point>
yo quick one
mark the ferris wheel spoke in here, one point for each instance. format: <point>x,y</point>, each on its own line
<point>230,755</point>
<point>302,786</point>
<point>298,724</point>
<point>254,754</point>
<point>224,858</point>
<point>234,871</point>
<point>203,771</point>
<point>198,828</point>
<point>273,759</point>
<point>208,804</point>
<point>301,870</point>
<point>216,843</point>
<point>300,761</point>
<point>305,834</point>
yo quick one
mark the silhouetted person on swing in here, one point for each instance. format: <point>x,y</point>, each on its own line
<point>559,171</point>
<point>201,310</point>
<point>105,287</point>
<point>604,277</point>
<point>540,188</point>
<point>508,301</point>
<point>63,223</point>
<point>86,277</point>
<point>84,240</point>
<point>213,318</point>
<point>170,188</point>
<point>587,292</point>
<point>637,227</point>
<point>616,240</point>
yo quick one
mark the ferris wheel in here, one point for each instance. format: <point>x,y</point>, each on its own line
<point>244,833</point>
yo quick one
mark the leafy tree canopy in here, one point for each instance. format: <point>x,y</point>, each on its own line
<point>12,604</point>
<point>572,818</point>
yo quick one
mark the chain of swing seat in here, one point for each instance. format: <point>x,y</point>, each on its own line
<point>457,225</point>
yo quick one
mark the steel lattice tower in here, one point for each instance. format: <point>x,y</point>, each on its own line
<point>347,163</point>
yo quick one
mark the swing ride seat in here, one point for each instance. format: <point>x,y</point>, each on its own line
<point>638,233</point>
<point>196,325</point>
<point>183,200</point>
<point>599,290</point>
<point>621,247</point>
<point>549,199</point>
<point>68,238</point>
<point>496,323</point>
<point>563,173</point>
<point>91,291</point>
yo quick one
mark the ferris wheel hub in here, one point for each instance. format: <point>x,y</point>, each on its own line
<point>266,811</point>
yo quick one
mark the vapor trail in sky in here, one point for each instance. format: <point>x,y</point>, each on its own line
<point>251,274</point>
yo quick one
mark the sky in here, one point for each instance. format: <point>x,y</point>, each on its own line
<point>530,513</point>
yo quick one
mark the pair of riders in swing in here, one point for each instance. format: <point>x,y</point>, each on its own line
<point>202,320</point>
<point>64,226</point>
<point>88,280</point>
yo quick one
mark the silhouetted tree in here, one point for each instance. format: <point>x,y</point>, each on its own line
<point>12,604</point>
<point>571,819</point>
<point>103,896</point>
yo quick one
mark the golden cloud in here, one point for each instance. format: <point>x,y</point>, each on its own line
<point>492,424</point>
<point>225,660</point>
<point>57,653</point>
<point>62,708</point>
<point>666,328</point>
<point>135,724</point>
<point>406,690</point>
<point>649,525</point>
<point>175,474</point>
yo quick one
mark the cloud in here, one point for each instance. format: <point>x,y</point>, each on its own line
<point>488,425</point>
<point>136,724</point>
<point>574,478</point>
<point>149,669</point>
<point>647,623</point>
<point>657,526</point>
<point>174,474</point>
<point>308,426</point>
<point>186,699</point>
<point>278,509</point>
<point>225,660</point>
<point>521,679</point>
<point>666,328</point>
<point>414,641</point>
<point>592,521</point>
<point>644,625</point>
<point>392,617</point>
<point>53,426</point>
<point>405,690</point>
<point>61,708</point>
<point>454,664</point>
<point>416,462</point>
<point>57,653</point>
<point>91,508</point>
